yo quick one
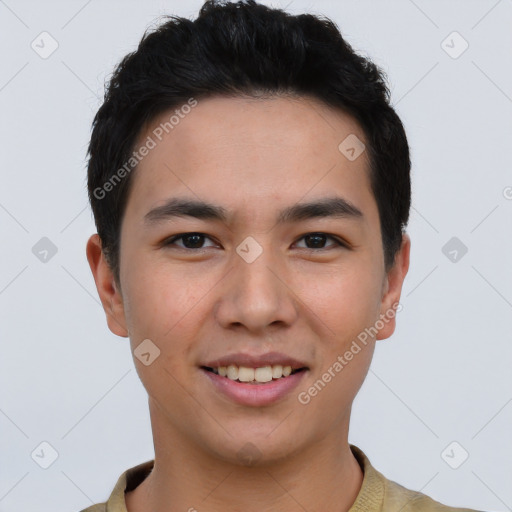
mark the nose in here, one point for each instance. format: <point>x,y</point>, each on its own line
<point>257,295</point>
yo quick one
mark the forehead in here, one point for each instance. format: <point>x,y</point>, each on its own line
<point>248,153</point>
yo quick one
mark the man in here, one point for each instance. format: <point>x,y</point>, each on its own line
<point>250,186</point>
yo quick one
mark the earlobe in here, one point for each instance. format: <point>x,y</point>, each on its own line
<point>110,296</point>
<point>392,290</point>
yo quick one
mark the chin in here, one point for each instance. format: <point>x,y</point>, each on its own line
<point>261,449</point>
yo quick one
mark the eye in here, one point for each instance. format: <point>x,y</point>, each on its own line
<point>318,239</point>
<point>196,240</point>
<point>190,240</point>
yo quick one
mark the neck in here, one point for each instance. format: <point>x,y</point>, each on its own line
<point>323,476</point>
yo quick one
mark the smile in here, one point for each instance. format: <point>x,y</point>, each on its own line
<point>259,375</point>
<point>259,387</point>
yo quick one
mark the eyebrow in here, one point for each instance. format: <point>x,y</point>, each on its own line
<point>335,207</point>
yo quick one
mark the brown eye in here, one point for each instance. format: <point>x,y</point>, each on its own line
<point>189,240</point>
<point>318,240</point>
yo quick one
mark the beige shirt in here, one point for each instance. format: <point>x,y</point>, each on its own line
<point>377,493</point>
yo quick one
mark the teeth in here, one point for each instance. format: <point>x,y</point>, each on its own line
<point>245,374</point>
<point>263,374</point>
<point>277,371</point>
<point>232,372</point>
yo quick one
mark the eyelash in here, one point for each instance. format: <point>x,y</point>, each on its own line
<point>170,241</point>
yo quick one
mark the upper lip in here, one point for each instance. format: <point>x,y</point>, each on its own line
<point>256,361</point>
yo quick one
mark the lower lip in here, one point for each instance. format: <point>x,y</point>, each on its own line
<point>255,394</point>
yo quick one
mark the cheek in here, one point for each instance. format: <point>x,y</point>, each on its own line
<point>344,365</point>
<point>165,305</point>
<point>160,307</point>
<point>331,391</point>
<point>157,300</point>
<point>345,300</point>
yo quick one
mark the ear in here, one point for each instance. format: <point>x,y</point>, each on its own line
<point>108,292</point>
<point>392,289</point>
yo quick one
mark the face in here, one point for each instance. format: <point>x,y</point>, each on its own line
<point>243,284</point>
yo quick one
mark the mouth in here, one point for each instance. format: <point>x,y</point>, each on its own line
<point>256,376</point>
<point>257,384</point>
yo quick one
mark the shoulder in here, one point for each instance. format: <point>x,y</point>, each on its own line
<point>98,507</point>
<point>397,497</point>
<point>128,481</point>
<point>379,493</point>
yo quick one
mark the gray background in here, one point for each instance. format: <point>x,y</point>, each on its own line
<point>443,377</point>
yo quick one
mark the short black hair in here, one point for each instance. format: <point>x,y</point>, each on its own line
<point>244,49</point>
